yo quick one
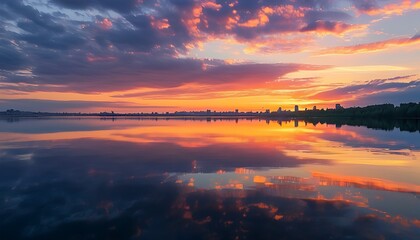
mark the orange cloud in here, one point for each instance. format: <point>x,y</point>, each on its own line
<point>261,20</point>
<point>390,9</point>
<point>161,23</point>
<point>371,47</point>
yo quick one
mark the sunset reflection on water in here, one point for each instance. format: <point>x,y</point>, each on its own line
<point>212,178</point>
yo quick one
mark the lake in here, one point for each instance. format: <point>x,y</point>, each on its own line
<point>91,178</point>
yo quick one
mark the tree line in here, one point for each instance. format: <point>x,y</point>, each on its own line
<point>403,111</point>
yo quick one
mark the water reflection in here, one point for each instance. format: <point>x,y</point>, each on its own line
<point>177,179</point>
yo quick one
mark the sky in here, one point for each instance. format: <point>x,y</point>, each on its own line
<point>174,55</point>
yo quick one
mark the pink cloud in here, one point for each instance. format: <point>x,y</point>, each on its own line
<point>106,24</point>
<point>372,47</point>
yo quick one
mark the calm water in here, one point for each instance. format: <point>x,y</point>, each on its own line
<point>185,179</point>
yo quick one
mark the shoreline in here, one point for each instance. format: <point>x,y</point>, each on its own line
<point>164,116</point>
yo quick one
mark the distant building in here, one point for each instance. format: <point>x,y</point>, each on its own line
<point>267,111</point>
<point>338,106</point>
<point>236,111</point>
<point>314,108</point>
<point>296,108</point>
<point>279,110</point>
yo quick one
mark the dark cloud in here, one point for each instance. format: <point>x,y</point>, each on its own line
<point>116,5</point>
<point>4,14</point>
<point>365,5</point>
<point>392,90</point>
<point>90,73</point>
<point>408,94</point>
<point>415,37</point>
<point>27,12</point>
<point>59,42</point>
<point>10,57</point>
<point>327,26</point>
<point>140,44</point>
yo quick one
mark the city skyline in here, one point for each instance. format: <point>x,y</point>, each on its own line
<point>236,110</point>
<point>387,112</point>
<point>172,55</point>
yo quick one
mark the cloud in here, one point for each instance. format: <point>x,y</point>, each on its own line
<point>10,57</point>
<point>326,15</point>
<point>404,95</point>
<point>321,26</point>
<point>43,20</point>
<point>61,42</point>
<point>126,186</point>
<point>95,73</point>
<point>108,45</point>
<point>365,5</point>
<point>371,90</point>
<point>116,5</point>
<point>105,23</point>
<point>138,50</point>
<point>377,7</point>
<point>372,47</point>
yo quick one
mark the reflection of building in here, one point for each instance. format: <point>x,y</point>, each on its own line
<point>296,123</point>
<point>285,186</point>
<point>296,108</point>
<point>194,165</point>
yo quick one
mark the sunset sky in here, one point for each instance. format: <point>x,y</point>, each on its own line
<point>173,55</point>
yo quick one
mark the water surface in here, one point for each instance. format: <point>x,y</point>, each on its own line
<point>206,179</point>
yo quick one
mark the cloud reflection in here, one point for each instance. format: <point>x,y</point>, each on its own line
<point>149,179</point>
